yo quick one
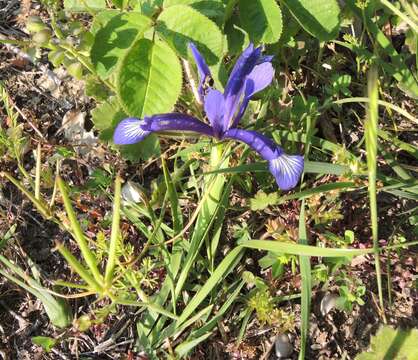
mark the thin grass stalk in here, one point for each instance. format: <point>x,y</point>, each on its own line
<point>114,237</point>
<point>39,203</point>
<point>78,233</point>
<point>371,148</point>
<point>38,172</point>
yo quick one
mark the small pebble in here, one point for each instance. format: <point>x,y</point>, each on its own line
<point>131,192</point>
<point>283,346</point>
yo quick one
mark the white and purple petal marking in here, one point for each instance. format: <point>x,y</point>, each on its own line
<point>129,131</point>
<point>287,170</point>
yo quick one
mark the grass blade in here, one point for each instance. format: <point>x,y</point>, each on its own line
<point>371,148</point>
<point>305,270</point>
<point>298,249</point>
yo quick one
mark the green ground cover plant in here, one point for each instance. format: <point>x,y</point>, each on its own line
<point>235,237</point>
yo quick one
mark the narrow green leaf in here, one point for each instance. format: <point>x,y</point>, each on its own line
<point>371,126</point>
<point>56,309</point>
<point>223,269</point>
<point>209,210</point>
<point>307,250</point>
<point>306,277</point>
<point>261,19</point>
<point>186,346</point>
<point>149,78</point>
<point>397,68</point>
<point>78,234</point>
<point>114,237</point>
<point>174,201</point>
<point>320,18</point>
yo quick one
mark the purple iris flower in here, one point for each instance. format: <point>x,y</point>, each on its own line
<point>252,73</point>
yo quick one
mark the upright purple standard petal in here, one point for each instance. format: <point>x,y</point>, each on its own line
<point>202,67</point>
<point>235,86</point>
<point>130,131</point>
<point>176,122</point>
<point>214,108</point>
<point>286,169</point>
<point>261,77</point>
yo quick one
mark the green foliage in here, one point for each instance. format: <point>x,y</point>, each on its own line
<point>45,342</point>
<point>114,33</point>
<point>150,78</point>
<point>188,275</point>
<point>57,309</point>
<point>181,24</point>
<point>390,343</point>
<point>84,5</point>
<point>261,19</point>
<point>263,200</point>
<point>320,18</point>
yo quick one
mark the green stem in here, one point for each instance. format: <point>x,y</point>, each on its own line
<point>78,233</point>
<point>79,268</point>
<point>110,267</point>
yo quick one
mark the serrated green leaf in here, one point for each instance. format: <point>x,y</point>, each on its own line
<point>180,24</point>
<point>213,9</point>
<point>262,200</point>
<point>392,344</point>
<point>106,116</point>
<point>150,78</point>
<point>96,89</point>
<point>84,5</point>
<point>320,18</point>
<point>261,19</point>
<point>114,34</point>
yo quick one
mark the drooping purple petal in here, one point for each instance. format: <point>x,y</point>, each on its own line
<point>287,170</point>
<point>266,147</point>
<point>214,108</point>
<point>130,131</point>
<point>202,68</point>
<point>176,122</point>
<point>261,77</point>
<point>235,85</point>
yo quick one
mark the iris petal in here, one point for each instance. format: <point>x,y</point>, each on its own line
<point>261,77</point>
<point>176,122</point>
<point>287,170</point>
<point>214,108</point>
<point>202,67</point>
<point>130,131</point>
<point>235,86</point>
